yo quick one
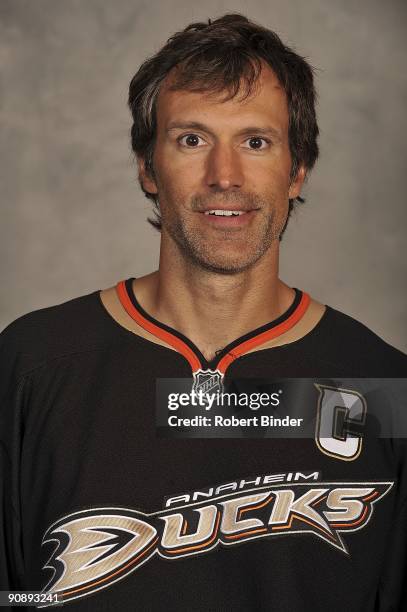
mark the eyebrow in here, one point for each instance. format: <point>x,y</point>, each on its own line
<point>250,130</point>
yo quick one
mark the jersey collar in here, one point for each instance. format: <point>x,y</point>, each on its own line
<point>232,351</point>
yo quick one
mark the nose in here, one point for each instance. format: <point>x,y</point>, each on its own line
<point>224,170</point>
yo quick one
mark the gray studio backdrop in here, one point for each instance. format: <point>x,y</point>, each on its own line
<point>72,215</point>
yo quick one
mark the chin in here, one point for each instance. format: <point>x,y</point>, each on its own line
<point>228,255</point>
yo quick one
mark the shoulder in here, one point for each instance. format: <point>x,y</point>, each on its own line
<point>76,325</point>
<point>341,338</point>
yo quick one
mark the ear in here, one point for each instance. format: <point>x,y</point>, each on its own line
<point>296,185</point>
<point>145,177</point>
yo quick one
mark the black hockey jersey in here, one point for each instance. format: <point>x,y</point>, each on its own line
<point>97,507</point>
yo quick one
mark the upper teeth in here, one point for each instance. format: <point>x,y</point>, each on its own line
<point>225,213</point>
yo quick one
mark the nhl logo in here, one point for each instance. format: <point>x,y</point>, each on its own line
<point>207,382</point>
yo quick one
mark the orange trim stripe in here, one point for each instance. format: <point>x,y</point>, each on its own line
<point>188,353</point>
<point>246,533</point>
<point>170,339</point>
<point>267,335</point>
<point>355,522</point>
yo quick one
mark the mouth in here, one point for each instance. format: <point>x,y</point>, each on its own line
<point>228,218</point>
<point>225,213</point>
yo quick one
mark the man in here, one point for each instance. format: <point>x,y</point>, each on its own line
<point>96,506</point>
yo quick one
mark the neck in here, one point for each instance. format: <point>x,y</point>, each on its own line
<point>213,309</point>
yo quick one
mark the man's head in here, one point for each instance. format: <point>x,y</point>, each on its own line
<point>224,119</point>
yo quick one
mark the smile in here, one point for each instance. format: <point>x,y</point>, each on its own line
<point>225,213</point>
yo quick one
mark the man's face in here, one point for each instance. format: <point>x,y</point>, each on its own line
<point>222,173</point>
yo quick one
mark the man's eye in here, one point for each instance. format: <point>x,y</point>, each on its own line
<point>191,140</point>
<point>257,143</point>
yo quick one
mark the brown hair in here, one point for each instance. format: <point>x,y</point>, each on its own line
<point>223,55</point>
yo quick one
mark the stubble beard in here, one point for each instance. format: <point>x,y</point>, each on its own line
<point>201,252</point>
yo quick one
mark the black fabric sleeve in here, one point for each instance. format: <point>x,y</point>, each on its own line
<point>392,593</point>
<point>11,404</point>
